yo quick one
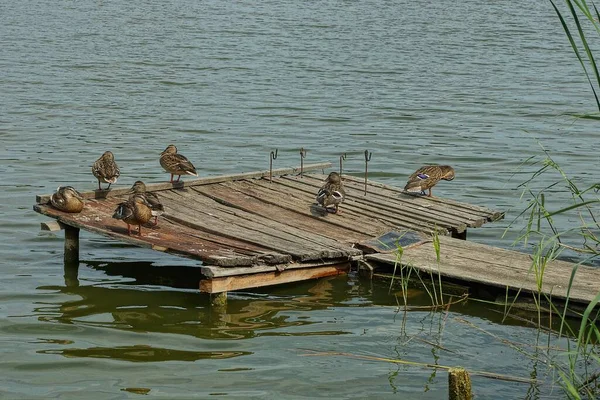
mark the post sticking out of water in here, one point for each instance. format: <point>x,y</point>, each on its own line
<point>459,384</point>
<point>272,157</point>
<point>302,157</point>
<point>218,299</point>
<point>367,159</point>
<point>71,245</point>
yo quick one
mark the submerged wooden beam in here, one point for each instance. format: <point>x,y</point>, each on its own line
<point>229,283</point>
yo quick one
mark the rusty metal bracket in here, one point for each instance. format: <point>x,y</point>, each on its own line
<point>367,159</point>
<point>302,157</point>
<point>342,158</point>
<point>272,157</point>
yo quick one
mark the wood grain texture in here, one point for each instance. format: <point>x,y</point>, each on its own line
<point>229,283</point>
<point>491,266</point>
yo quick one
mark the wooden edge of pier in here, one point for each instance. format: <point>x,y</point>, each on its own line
<point>152,187</point>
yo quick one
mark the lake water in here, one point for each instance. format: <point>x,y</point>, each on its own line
<point>472,84</point>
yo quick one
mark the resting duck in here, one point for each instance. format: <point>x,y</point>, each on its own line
<point>139,188</point>
<point>67,199</point>
<point>427,177</point>
<point>105,169</point>
<point>135,211</point>
<point>176,164</point>
<point>332,192</point>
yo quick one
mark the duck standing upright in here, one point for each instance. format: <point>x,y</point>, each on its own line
<point>427,177</point>
<point>135,211</point>
<point>332,192</point>
<point>67,199</point>
<point>176,164</point>
<point>105,169</point>
<point>139,188</point>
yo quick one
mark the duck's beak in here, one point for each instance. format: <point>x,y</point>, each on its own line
<point>130,191</point>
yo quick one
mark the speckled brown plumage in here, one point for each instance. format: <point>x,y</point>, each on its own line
<point>135,211</point>
<point>332,192</point>
<point>67,199</point>
<point>139,188</point>
<point>427,177</point>
<point>176,164</point>
<point>105,169</point>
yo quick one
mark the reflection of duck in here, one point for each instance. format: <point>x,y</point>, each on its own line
<point>67,199</point>
<point>427,177</point>
<point>105,169</point>
<point>155,205</point>
<point>176,164</point>
<point>332,192</point>
<point>135,211</point>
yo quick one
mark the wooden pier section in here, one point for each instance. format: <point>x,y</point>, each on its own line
<point>250,230</point>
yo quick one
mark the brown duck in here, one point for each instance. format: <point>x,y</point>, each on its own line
<point>105,169</point>
<point>67,199</point>
<point>135,211</point>
<point>427,177</point>
<point>176,164</point>
<point>332,192</point>
<point>139,188</point>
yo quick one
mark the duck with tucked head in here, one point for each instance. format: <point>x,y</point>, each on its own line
<point>105,169</point>
<point>176,164</point>
<point>332,192</point>
<point>67,199</point>
<point>135,211</point>
<point>139,188</point>
<point>427,177</point>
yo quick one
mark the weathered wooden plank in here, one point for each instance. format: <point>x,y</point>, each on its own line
<point>168,237</point>
<point>101,194</point>
<point>389,209</point>
<point>235,199</point>
<point>446,209</point>
<point>482,264</point>
<point>249,234</point>
<point>492,215</point>
<point>350,206</point>
<point>51,226</point>
<point>214,271</point>
<point>364,224</point>
<point>239,221</point>
<point>310,238</point>
<point>394,204</point>
<point>226,284</point>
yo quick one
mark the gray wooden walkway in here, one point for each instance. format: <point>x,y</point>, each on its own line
<point>475,263</point>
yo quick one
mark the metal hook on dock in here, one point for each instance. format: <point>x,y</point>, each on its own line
<point>302,157</point>
<point>342,158</point>
<point>367,159</point>
<point>272,157</point>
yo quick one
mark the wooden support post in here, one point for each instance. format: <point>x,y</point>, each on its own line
<point>218,299</point>
<point>71,245</point>
<point>459,384</point>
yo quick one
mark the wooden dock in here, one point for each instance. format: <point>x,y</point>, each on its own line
<point>249,230</point>
<point>495,269</point>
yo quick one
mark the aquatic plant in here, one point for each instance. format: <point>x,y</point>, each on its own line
<point>585,56</point>
<point>579,366</point>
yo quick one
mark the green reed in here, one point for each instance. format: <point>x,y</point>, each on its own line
<point>585,57</point>
<point>579,366</point>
